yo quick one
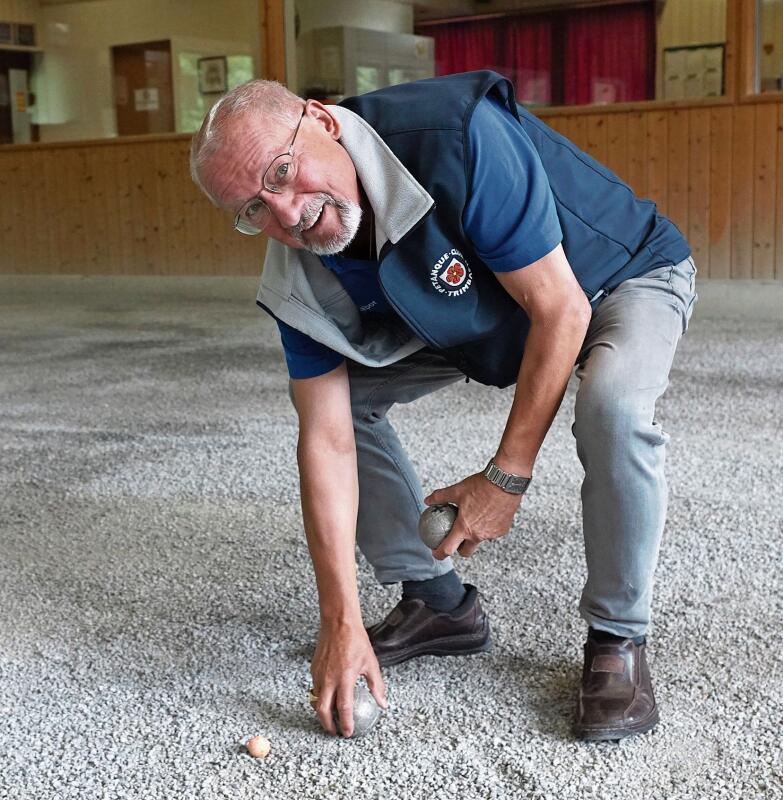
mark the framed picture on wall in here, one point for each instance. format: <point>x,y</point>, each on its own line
<point>213,75</point>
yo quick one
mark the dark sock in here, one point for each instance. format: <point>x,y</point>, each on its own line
<point>443,593</point>
<point>605,636</point>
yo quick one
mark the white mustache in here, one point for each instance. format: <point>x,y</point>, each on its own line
<point>311,212</point>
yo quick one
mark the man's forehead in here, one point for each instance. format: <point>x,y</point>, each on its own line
<point>247,146</point>
<point>264,136</point>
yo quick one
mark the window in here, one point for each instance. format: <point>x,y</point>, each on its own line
<point>770,45</point>
<point>592,55</point>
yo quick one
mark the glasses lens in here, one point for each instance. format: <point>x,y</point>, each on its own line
<point>280,173</point>
<point>253,218</point>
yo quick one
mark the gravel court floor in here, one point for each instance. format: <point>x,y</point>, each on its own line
<point>158,604</point>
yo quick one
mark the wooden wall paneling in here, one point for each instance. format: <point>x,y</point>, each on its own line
<point>99,204</point>
<point>597,137</point>
<point>637,153</point>
<point>163,220</point>
<point>168,210</point>
<point>559,124</point>
<point>77,240</point>
<point>88,241</point>
<point>698,231</point>
<point>40,220</point>
<point>49,217</point>
<point>114,210</point>
<point>6,208</point>
<point>720,202</point>
<point>177,187</point>
<point>677,168</point>
<point>70,230</point>
<point>578,130</point>
<point>617,144</point>
<point>137,189</point>
<point>21,228</point>
<point>567,127</point>
<point>779,196</point>
<point>153,245</point>
<point>133,229</point>
<point>25,178</point>
<point>742,179</point>
<point>12,240</point>
<point>657,152</point>
<point>128,249</point>
<point>764,190</point>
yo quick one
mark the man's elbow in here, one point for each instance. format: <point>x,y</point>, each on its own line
<point>582,311</point>
<point>329,441</point>
<point>571,312</point>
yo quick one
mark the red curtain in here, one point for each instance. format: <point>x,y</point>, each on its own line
<point>601,55</point>
<point>610,54</point>
<point>463,47</point>
<point>527,57</point>
<point>518,47</point>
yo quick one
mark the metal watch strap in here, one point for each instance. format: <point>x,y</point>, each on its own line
<point>507,481</point>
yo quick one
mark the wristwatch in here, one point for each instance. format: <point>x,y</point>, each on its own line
<point>507,481</point>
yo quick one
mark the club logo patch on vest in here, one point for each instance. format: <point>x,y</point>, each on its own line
<point>451,274</point>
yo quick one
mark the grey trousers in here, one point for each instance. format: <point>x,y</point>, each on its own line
<point>623,369</point>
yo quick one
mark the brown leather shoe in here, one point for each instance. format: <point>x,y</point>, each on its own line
<point>616,697</point>
<point>412,629</point>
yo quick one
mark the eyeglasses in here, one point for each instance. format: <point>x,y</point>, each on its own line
<point>255,215</point>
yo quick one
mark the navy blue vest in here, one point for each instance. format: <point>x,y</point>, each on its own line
<point>435,280</point>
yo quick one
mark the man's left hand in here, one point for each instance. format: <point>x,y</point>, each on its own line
<point>485,512</point>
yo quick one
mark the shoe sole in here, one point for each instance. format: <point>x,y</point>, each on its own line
<point>445,646</point>
<point>613,734</point>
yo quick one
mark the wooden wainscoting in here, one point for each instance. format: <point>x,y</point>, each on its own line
<point>121,206</point>
<point>716,171</point>
<point>128,206</point>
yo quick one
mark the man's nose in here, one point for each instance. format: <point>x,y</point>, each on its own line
<point>286,207</point>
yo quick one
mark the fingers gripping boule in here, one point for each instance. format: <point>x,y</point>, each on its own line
<point>354,717</point>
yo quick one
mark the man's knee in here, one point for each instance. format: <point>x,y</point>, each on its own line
<point>607,413</point>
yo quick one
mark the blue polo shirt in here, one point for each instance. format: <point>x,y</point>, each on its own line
<point>510,219</point>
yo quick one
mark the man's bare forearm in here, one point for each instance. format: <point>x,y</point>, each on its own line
<point>550,353</point>
<point>330,496</point>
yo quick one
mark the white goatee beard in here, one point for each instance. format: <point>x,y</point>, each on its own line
<point>350,215</point>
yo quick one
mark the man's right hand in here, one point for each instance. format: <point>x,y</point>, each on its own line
<point>343,654</point>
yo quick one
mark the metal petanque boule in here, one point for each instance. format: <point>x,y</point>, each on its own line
<point>435,524</point>
<point>366,712</point>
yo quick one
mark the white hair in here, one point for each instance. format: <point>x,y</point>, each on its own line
<point>267,100</point>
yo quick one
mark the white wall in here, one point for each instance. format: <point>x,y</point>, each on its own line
<point>19,11</point>
<point>377,15</point>
<point>74,80</point>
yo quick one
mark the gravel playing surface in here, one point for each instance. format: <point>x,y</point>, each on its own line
<point>158,604</point>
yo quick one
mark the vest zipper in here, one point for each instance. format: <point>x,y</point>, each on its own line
<point>602,291</point>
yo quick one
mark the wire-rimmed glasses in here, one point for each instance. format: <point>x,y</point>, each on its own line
<point>255,215</point>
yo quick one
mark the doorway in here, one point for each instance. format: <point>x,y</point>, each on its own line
<point>143,93</point>
<point>15,124</point>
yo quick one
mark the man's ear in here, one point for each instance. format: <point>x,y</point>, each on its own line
<point>318,112</point>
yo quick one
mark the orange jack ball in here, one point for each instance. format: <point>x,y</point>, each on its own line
<point>258,746</point>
